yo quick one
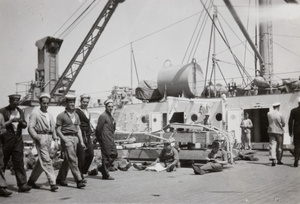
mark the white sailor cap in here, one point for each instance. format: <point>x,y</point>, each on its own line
<point>70,97</point>
<point>108,101</point>
<point>85,96</point>
<point>45,95</point>
<point>276,104</point>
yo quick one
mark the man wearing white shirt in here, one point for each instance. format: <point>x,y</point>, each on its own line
<point>42,130</point>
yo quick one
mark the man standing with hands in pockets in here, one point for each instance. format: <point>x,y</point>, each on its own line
<point>42,130</point>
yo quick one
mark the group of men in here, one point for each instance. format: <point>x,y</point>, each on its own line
<point>74,129</point>
<point>276,124</point>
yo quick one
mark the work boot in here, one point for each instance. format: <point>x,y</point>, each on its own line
<point>4,192</point>
<point>61,182</point>
<point>108,178</point>
<point>197,170</point>
<point>24,188</point>
<point>279,162</point>
<point>80,184</point>
<point>137,167</point>
<point>170,168</point>
<point>33,185</point>
<point>53,188</point>
<point>296,163</point>
<point>273,162</point>
<point>126,167</point>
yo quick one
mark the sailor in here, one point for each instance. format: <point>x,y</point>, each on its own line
<point>294,131</point>
<point>41,128</point>
<point>3,184</point>
<point>85,156</point>
<point>168,158</point>
<point>275,131</point>
<point>216,159</point>
<point>68,129</point>
<point>246,126</point>
<point>105,135</point>
<point>12,140</point>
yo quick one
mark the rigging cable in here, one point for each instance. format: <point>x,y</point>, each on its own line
<point>73,25</point>
<point>193,34</point>
<point>69,18</point>
<point>199,38</point>
<point>141,38</point>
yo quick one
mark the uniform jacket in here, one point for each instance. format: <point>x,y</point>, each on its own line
<point>276,122</point>
<point>294,121</point>
<point>105,132</point>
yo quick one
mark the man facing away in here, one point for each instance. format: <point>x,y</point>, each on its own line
<point>3,184</point>
<point>68,129</point>
<point>41,128</point>
<point>294,130</point>
<point>12,141</point>
<point>275,131</point>
<point>105,135</point>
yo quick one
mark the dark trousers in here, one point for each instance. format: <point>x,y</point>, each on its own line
<point>297,146</point>
<point>3,183</point>
<point>108,157</point>
<point>85,156</point>
<point>13,147</point>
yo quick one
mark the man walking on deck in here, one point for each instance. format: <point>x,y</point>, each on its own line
<point>12,141</point>
<point>68,129</point>
<point>294,130</point>
<point>105,135</point>
<point>85,156</point>
<point>41,128</point>
<point>275,131</point>
<point>3,184</point>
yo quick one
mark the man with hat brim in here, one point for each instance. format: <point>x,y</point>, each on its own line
<point>246,126</point>
<point>105,135</point>
<point>41,128</point>
<point>85,156</point>
<point>294,131</point>
<point>168,158</point>
<point>276,131</point>
<point>3,185</point>
<point>13,146</point>
<point>68,129</point>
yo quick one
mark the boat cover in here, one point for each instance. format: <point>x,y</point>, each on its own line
<point>147,90</point>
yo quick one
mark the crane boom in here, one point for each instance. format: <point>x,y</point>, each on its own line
<point>75,65</point>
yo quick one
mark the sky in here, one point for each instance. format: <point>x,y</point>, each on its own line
<point>158,30</point>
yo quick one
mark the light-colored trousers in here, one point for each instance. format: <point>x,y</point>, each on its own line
<point>70,147</point>
<point>276,146</point>
<point>246,140</point>
<point>43,145</point>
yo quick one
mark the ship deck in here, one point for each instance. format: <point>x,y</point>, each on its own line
<point>242,182</point>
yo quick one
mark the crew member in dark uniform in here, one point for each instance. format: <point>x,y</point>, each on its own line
<point>85,156</point>
<point>294,130</point>
<point>3,184</point>
<point>12,140</point>
<point>105,134</point>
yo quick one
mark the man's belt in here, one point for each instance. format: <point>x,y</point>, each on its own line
<point>70,134</point>
<point>44,132</point>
